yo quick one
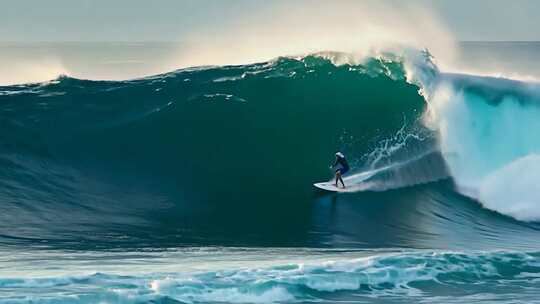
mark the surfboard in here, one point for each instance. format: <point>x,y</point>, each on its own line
<point>328,186</point>
<point>354,183</point>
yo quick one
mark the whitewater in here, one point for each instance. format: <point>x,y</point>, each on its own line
<point>482,125</point>
<point>300,276</point>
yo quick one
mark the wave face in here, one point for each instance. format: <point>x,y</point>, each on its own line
<point>173,151</point>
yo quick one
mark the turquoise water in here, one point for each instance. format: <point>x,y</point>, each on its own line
<point>195,186</point>
<point>263,275</point>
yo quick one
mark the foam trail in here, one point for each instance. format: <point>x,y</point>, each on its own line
<point>405,160</point>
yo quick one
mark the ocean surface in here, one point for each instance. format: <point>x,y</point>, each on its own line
<point>195,185</point>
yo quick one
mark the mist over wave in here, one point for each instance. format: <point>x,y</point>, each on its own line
<point>275,29</point>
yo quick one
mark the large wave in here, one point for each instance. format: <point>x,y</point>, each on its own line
<point>114,160</point>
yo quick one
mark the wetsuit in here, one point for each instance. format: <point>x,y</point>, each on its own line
<point>343,165</point>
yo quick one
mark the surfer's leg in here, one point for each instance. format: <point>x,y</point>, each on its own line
<point>341,172</point>
<point>338,178</point>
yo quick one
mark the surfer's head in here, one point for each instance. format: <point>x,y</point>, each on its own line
<point>340,155</point>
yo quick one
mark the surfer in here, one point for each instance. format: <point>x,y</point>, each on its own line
<point>343,167</point>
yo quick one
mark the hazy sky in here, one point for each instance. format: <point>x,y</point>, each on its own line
<point>166,20</point>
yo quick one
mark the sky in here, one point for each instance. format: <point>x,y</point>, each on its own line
<point>174,20</point>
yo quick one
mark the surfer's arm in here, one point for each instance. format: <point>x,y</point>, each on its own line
<point>335,163</point>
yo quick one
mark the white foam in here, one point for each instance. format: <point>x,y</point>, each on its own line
<point>384,275</point>
<point>514,189</point>
<point>487,137</point>
<point>235,295</point>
